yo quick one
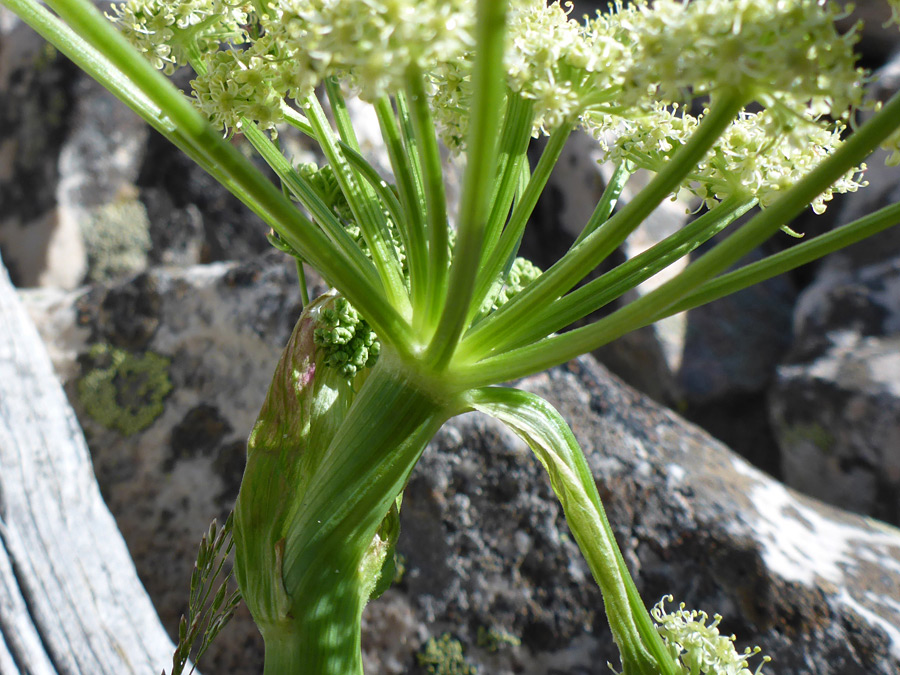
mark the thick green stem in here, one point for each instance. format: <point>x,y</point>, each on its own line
<point>323,640</point>
<point>311,522</point>
<point>394,415</point>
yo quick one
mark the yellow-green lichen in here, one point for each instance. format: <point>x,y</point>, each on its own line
<point>124,391</point>
<point>444,656</point>
<point>117,238</point>
<point>494,639</point>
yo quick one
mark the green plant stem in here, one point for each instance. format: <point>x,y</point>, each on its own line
<point>512,155</point>
<point>375,189</point>
<point>580,260</point>
<point>551,439</point>
<point>378,185</point>
<point>322,640</point>
<point>340,113</point>
<point>429,158</point>
<point>365,207</point>
<point>408,135</point>
<point>613,284</point>
<point>412,224</point>
<point>355,160</point>
<point>367,463</point>
<point>789,259</point>
<point>304,524</point>
<point>607,202</point>
<point>481,156</point>
<point>561,348</point>
<point>308,197</point>
<point>298,121</point>
<point>301,279</point>
<point>489,277</point>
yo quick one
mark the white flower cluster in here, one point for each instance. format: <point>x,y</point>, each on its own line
<point>561,65</point>
<point>450,89</point>
<point>760,155</point>
<point>167,32</point>
<point>789,50</point>
<point>697,646</point>
<point>763,154</point>
<point>372,42</point>
<point>240,84</point>
<point>625,71</point>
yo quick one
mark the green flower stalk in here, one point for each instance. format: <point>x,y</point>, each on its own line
<point>426,322</point>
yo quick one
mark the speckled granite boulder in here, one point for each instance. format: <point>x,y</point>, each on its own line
<point>488,559</point>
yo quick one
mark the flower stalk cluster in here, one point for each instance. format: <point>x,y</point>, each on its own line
<point>425,323</point>
<point>697,644</point>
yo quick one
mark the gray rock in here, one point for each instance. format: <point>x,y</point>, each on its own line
<point>70,154</point>
<point>838,422</point>
<point>38,243</point>
<point>487,555</point>
<point>836,403</point>
<point>486,547</point>
<point>193,219</point>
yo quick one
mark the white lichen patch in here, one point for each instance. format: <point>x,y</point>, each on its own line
<point>876,618</point>
<point>805,544</point>
<point>675,474</point>
<point>869,364</point>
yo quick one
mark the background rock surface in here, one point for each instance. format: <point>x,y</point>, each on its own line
<point>799,376</point>
<point>485,547</point>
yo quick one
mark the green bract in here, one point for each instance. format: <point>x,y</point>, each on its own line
<point>450,316</point>
<point>306,403</point>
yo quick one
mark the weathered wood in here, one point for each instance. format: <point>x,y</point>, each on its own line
<point>70,599</point>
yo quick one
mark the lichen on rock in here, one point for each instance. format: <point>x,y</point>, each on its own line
<point>124,391</point>
<point>117,239</point>
<point>444,656</point>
